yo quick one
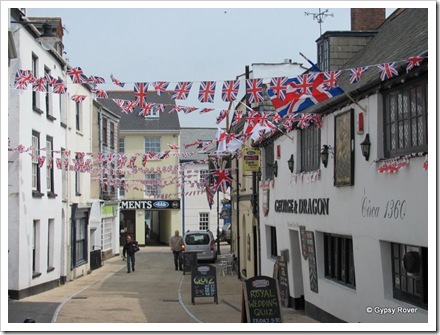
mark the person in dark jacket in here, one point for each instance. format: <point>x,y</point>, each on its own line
<point>129,251</point>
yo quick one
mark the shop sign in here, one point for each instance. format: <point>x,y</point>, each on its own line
<point>251,160</point>
<point>150,204</point>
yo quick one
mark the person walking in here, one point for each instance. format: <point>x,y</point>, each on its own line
<point>129,250</point>
<point>176,242</point>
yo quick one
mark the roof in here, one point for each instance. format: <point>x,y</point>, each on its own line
<point>401,36</point>
<point>166,121</point>
<point>191,135</point>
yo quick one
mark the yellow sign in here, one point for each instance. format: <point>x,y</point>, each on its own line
<point>251,159</point>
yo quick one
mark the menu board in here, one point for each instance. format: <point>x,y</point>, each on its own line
<point>203,282</point>
<point>313,272</point>
<point>261,300</point>
<point>283,282</point>
<point>189,261</point>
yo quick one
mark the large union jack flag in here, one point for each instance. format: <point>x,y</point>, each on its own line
<point>182,90</point>
<point>254,90</point>
<point>387,70</point>
<point>230,90</point>
<point>297,101</point>
<point>77,75</point>
<point>140,93</point>
<point>207,91</point>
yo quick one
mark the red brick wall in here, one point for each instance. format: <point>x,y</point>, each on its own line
<point>367,18</point>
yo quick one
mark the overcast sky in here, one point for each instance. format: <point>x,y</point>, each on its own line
<point>189,44</point>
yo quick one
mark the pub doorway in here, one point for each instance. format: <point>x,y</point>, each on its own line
<point>127,226</point>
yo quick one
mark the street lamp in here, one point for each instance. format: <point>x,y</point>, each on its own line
<point>47,39</point>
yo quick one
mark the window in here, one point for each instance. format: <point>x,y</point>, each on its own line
<point>36,249</point>
<point>154,113</point>
<point>152,144</point>
<point>152,187</point>
<point>49,166</point>
<point>77,178</point>
<point>112,135</point>
<point>78,116</point>
<point>310,149</point>
<point>62,105</point>
<point>410,274</point>
<point>64,174</point>
<point>406,119</point>
<point>36,187</point>
<point>80,241</point>
<point>106,235</point>
<point>203,174</point>
<point>269,161</point>
<point>104,131</point>
<point>50,244</point>
<point>122,145</point>
<point>35,95</point>
<point>323,55</point>
<point>273,242</point>
<point>338,259</point>
<point>48,97</point>
<point>203,221</point>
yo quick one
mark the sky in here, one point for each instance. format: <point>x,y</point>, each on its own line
<point>141,44</point>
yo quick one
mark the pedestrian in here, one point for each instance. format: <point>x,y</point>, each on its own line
<point>176,242</point>
<point>129,251</point>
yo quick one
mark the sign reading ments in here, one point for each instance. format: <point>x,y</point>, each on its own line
<point>203,282</point>
<point>261,300</point>
<point>149,204</point>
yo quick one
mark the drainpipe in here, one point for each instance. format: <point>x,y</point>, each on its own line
<point>238,221</point>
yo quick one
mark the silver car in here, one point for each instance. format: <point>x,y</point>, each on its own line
<point>202,242</point>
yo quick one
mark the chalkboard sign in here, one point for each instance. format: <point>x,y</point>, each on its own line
<point>313,272</point>
<point>189,261</point>
<point>261,300</point>
<point>283,282</point>
<point>203,282</point>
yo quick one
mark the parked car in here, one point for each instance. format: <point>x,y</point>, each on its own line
<point>226,233</point>
<point>202,242</point>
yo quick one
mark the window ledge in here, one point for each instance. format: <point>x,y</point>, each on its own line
<point>50,269</point>
<point>78,194</point>
<point>36,275</point>
<point>37,194</point>
<point>64,125</point>
<point>38,110</point>
<point>51,195</point>
<point>51,117</point>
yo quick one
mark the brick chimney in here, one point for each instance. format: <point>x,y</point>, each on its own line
<point>367,18</point>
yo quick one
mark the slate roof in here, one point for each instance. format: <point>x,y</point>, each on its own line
<point>134,122</point>
<point>190,135</point>
<point>400,37</point>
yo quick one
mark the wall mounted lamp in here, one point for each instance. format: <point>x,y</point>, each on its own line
<point>365,147</point>
<point>47,40</point>
<point>326,150</point>
<point>291,163</point>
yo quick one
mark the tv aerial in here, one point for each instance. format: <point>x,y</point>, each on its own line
<point>320,17</point>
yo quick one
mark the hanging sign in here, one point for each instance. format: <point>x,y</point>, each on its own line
<point>251,159</point>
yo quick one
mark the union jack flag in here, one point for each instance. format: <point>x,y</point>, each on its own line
<point>413,61</point>
<point>78,98</point>
<point>140,92</point>
<point>304,83</point>
<point>230,90</point>
<point>160,86</point>
<point>96,80</point>
<point>128,106</point>
<point>206,110</point>
<point>331,79</point>
<point>387,70</point>
<point>39,85</point>
<point>116,82</point>
<point>175,109</point>
<point>23,78</point>
<point>132,161</point>
<point>160,107</point>
<point>207,91</point>
<point>254,90</point>
<point>236,118</point>
<point>181,91</point>
<point>122,159</point>
<point>223,180</point>
<point>77,75</point>
<point>356,73</point>
<point>276,118</point>
<point>146,109</point>
<point>188,110</point>
<point>222,115</point>
<point>100,94</point>
<point>173,146</point>
<point>304,121</point>
<point>50,81</point>
<point>279,86</point>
